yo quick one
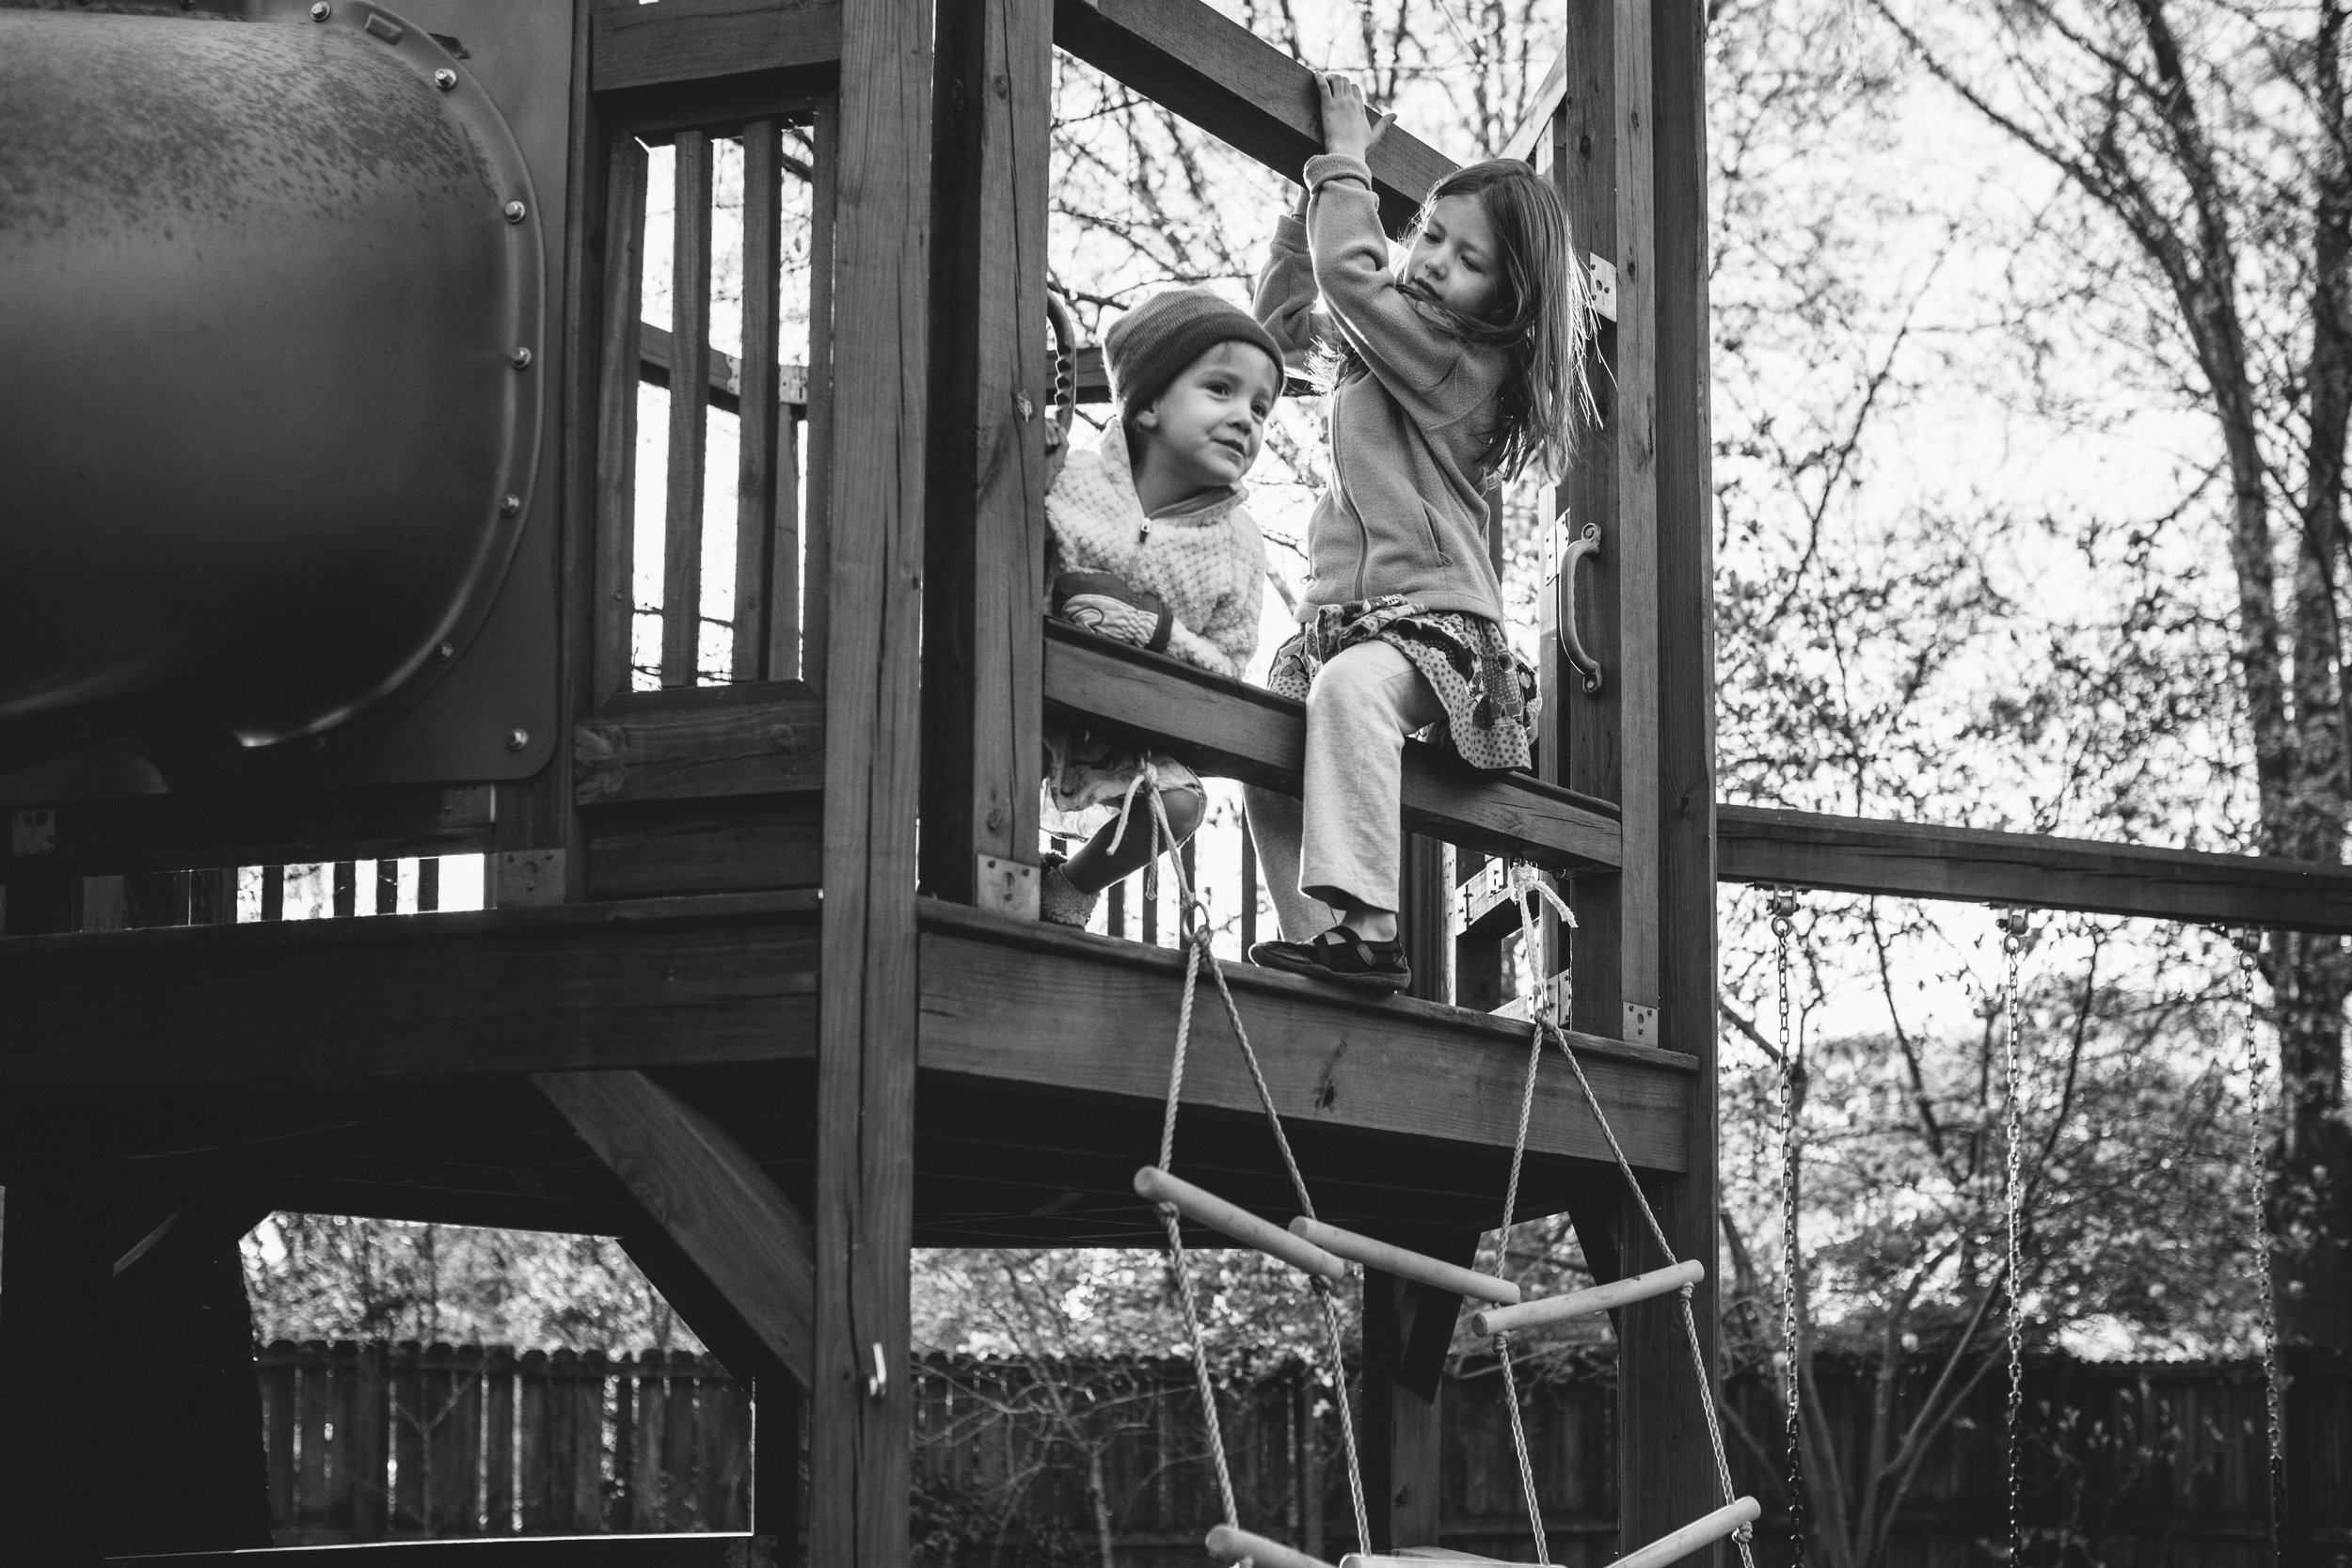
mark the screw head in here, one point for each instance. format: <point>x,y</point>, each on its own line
<point>445,78</point>
<point>521,358</point>
<point>321,11</point>
<point>515,212</point>
<point>509,505</point>
<point>517,739</point>
<point>447,650</point>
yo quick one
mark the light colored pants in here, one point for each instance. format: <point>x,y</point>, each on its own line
<point>1340,843</point>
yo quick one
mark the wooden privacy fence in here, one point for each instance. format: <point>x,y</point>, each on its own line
<point>372,1442</point>
<point>2143,1464</point>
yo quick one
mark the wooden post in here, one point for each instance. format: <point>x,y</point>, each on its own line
<point>1407,1328</point>
<point>860,1408</point>
<point>1668,1467</point>
<point>54,1475</point>
<point>1606,743</point>
<point>985,556</point>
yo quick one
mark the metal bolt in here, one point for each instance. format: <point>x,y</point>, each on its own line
<point>521,357</point>
<point>447,650</point>
<point>515,212</point>
<point>509,505</point>
<point>321,11</point>
<point>517,739</point>
<point>445,78</point>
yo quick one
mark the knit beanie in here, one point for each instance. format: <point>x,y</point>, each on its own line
<point>1149,346</point>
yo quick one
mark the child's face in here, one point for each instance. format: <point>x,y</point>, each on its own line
<point>1456,261</point>
<point>1207,427</point>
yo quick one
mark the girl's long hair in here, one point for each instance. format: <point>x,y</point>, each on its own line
<point>1543,321</point>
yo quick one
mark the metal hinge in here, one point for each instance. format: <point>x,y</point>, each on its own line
<point>1604,287</point>
<point>1008,887</point>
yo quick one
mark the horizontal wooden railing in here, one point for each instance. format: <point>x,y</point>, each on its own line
<point>1243,731</point>
<point>1922,861</point>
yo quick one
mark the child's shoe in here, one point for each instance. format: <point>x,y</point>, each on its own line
<point>1341,956</point>
<point>1058,900</point>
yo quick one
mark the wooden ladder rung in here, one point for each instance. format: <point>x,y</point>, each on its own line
<point>1691,1537</point>
<point>1403,1263</point>
<point>1415,1557</point>
<point>1579,1304</point>
<point>1228,1545</point>
<point>1228,1219</point>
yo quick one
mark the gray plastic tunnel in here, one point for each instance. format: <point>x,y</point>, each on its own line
<point>270,303</point>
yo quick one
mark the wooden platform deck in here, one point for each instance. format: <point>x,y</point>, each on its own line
<point>371,1066</point>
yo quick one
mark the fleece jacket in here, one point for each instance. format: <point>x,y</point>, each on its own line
<point>1404,512</point>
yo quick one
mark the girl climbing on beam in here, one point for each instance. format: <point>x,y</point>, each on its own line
<point>1460,367</point>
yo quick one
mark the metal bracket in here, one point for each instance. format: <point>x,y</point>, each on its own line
<point>1640,1024</point>
<point>1008,887</point>
<point>1604,286</point>
<point>1557,990</point>
<point>33,832</point>
<point>524,878</point>
<point>1482,892</point>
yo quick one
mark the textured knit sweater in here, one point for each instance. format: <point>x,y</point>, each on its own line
<point>1404,513</point>
<point>1202,556</point>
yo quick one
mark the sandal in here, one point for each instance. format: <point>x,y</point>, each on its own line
<point>1341,956</point>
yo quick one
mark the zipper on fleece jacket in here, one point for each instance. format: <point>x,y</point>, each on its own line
<point>1338,478</point>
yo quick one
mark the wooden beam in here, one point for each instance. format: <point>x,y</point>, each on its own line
<point>1911,859</point>
<point>1007,999</point>
<point>709,1197</point>
<point>1666,1479</point>
<point>1536,124</point>
<point>662,981</point>
<point>861,1410</point>
<point>1238,87</point>
<point>189,1238</point>
<point>985,556</point>
<point>170,833</point>
<point>694,40</point>
<point>55,1255</point>
<point>726,372</point>
<point>1243,731</point>
<point>752,737</point>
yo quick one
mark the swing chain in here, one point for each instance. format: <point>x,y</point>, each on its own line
<point>2014,925</point>
<point>1784,909</point>
<point>2248,945</point>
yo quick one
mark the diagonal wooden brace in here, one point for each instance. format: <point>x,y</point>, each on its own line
<point>725,1215</point>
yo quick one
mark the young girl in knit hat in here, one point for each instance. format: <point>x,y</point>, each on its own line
<point>1148,544</point>
<point>1460,366</point>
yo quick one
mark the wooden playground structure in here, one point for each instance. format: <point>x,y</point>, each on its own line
<point>727,1003</point>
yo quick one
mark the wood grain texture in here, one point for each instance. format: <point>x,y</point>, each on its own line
<point>1637,530</point>
<point>615,496</point>
<point>1911,859</point>
<point>708,1196</point>
<point>158,833</point>
<point>1661,1412</point>
<point>690,40</point>
<point>824,132</point>
<point>503,990</point>
<point>1237,731</point>
<point>1004,999</point>
<point>1236,86</point>
<point>689,424</point>
<point>761,450</point>
<point>662,849</point>
<point>756,738</point>
<point>985,550</point>
<point>859,1433</point>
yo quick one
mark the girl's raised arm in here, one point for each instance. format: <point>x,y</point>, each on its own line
<point>1285,303</point>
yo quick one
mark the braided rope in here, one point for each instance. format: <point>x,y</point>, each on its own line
<point>1518,1446</point>
<point>1542,1007</point>
<point>1196,935</point>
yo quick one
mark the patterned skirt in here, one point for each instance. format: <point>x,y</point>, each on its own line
<point>1489,692</point>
